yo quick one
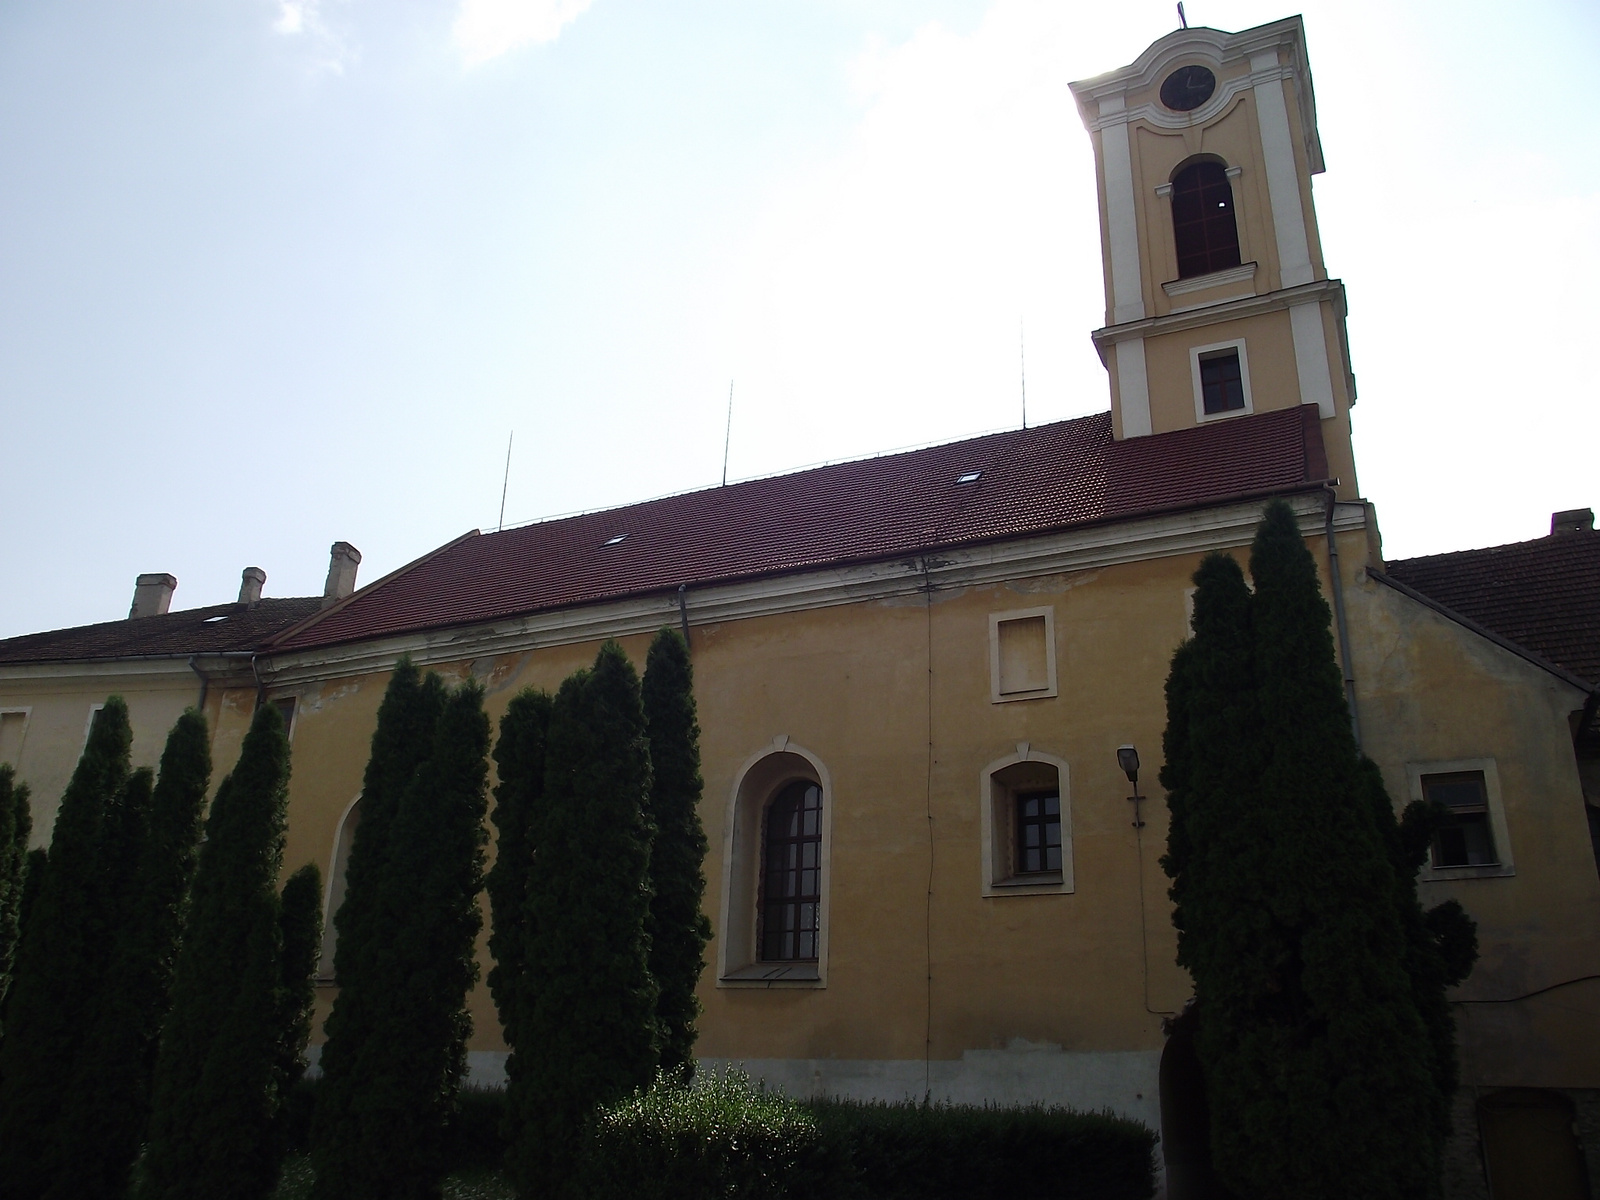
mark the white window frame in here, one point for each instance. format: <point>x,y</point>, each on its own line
<point>88,725</point>
<point>758,780</point>
<point>27,719</point>
<point>294,716</point>
<point>1048,612</point>
<point>1497,818</point>
<point>1200,413</point>
<point>998,827</point>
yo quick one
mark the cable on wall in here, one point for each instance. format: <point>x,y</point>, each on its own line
<point>927,915</point>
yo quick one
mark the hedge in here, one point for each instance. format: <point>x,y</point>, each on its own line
<point>1036,1152</point>
<point>727,1138</point>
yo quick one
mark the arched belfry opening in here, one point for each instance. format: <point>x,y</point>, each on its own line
<point>1204,227</point>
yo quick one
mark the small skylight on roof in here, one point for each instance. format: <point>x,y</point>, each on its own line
<point>218,617</point>
<point>621,537</point>
<point>969,477</point>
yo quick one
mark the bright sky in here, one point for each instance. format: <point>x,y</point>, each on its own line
<point>275,273</point>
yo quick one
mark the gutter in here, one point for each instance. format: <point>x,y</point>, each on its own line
<point>1339,619</point>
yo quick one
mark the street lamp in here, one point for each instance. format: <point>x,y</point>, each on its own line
<point>1128,760</point>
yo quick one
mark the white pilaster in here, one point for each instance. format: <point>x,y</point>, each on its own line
<point>1122,222</point>
<point>1283,184</point>
<point>1133,388</point>
<point>1311,357</point>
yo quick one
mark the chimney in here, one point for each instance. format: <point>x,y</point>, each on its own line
<point>152,595</point>
<point>342,563</point>
<point>250,584</point>
<point>1574,520</point>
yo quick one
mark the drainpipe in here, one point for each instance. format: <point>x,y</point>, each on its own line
<point>683,612</point>
<point>205,683</point>
<point>1339,620</point>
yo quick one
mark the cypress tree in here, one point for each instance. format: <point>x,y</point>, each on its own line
<point>59,963</point>
<point>214,1100</point>
<point>32,880</point>
<point>588,1032</point>
<point>109,1101</point>
<point>389,1144</point>
<point>1291,898</point>
<point>404,736</point>
<point>519,757</point>
<point>16,826</point>
<point>678,928</point>
<point>300,936</point>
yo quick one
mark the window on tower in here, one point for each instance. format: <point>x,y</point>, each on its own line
<point>1203,223</point>
<point>1221,382</point>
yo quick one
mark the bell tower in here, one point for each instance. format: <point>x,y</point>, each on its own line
<point>1217,301</point>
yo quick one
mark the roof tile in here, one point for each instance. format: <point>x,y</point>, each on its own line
<point>1032,481</point>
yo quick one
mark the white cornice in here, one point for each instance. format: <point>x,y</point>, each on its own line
<point>1078,549</point>
<point>1223,310</point>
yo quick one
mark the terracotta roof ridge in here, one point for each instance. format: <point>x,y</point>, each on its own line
<point>340,605</point>
<point>1590,686</point>
<point>1544,539</point>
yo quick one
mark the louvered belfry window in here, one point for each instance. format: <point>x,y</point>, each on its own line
<point>791,878</point>
<point>1203,223</point>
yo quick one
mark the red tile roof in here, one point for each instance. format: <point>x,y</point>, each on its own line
<point>218,629</point>
<point>1544,594</point>
<point>1032,481</point>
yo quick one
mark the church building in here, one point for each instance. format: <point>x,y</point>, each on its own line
<point>919,674</point>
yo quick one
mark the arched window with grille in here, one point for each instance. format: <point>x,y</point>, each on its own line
<point>773,928</point>
<point>1203,223</point>
<point>791,881</point>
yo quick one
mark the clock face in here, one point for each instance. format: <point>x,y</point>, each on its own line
<point>1188,87</point>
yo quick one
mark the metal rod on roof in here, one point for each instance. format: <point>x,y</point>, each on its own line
<point>506,482</point>
<point>727,435</point>
<point>1022,356</point>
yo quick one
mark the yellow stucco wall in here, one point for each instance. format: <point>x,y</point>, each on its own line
<point>893,697</point>
<point>57,726</point>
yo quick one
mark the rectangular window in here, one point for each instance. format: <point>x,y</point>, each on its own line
<point>1038,832</point>
<point>285,707</point>
<point>1467,839</point>
<point>1026,825</point>
<point>12,725</point>
<point>1221,382</point>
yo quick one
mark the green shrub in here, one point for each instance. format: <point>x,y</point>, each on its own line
<point>729,1138</point>
<point>1033,1152</point>
<point>724,1137</point>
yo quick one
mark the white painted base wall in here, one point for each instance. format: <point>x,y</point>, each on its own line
<point>1124,1081</point>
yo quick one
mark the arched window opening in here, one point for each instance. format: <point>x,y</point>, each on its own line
<point>773,930</point>
<point>336,886</point>
<point>1186,1117</point>
<point>1026,825</point>
<point>1203,223</point>
<point>791,885</point>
